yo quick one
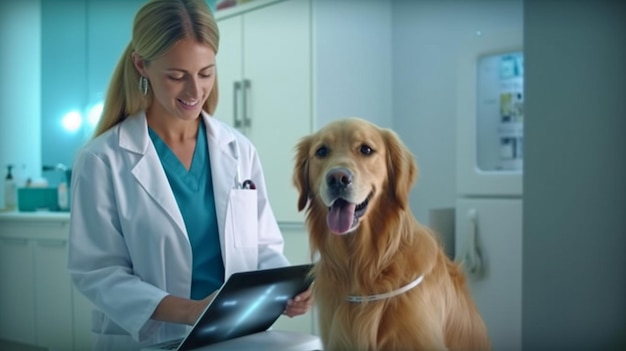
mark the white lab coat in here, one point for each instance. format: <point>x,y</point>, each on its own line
<point>128,243</point>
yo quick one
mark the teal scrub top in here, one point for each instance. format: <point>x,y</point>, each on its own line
<point>193,191</point>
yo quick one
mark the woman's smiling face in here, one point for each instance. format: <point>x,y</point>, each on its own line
<point>181,80</point>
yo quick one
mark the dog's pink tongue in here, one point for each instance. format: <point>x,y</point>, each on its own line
<point>340,217</point>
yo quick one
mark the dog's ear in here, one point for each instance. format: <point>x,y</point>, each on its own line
<point>301,172</point>
<point>401,168</point>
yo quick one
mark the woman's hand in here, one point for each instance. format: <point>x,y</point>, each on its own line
<point>180,310</point>
<point>300,304</point>
<point>198,308</point>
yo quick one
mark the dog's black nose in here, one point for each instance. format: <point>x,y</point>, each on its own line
<point>339,178</point>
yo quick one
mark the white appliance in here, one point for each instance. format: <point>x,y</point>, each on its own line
<point>488,216</point>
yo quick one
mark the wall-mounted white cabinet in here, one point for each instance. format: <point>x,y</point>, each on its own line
<point>264,73</point>
<point>287,67</point>
<point>39,305</point>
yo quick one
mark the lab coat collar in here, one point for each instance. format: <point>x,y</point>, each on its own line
<point>146,166</point>
<point>222,145</point>
<point>134,135</point>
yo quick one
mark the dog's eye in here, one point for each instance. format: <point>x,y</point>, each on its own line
<point>322,151</point>
<point>366,150</point>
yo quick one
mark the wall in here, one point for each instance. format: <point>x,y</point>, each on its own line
<point>20,62</point>
<point>428,36</point>
<point>81,43</point>
<point>109,27</point>
<point>63,82</point>
<point>574,264</point>
<point>343,26</point>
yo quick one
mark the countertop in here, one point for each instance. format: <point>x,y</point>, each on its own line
<point>40,225</point>
<point>16,346</point>
<point>34,216</point>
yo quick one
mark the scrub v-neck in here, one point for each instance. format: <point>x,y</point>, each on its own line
<point>174,166</point>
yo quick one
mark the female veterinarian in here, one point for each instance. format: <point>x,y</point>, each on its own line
<point>160,215</point>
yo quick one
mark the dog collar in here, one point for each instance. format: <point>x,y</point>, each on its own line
<point>411,285</point>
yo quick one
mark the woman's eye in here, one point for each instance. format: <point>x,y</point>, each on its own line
<point>322,151</point>
<point>176,77</point>
<point>366,150</point>
<point>206,73</point>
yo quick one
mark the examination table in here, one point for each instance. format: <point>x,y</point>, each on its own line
<point>271,340</point>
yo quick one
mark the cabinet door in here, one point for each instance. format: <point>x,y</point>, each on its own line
<point>229,70</point>
<point>497,224</point>
<point>82,321</point>
<point>297,252</point>
<point>277,64</point>
<point>53,295</point>
<point>17,286</point>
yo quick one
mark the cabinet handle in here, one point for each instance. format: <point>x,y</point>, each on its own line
<point>51,243</point>
<point>246,88</point>
<point>236,121</point>
<point>15,241</point>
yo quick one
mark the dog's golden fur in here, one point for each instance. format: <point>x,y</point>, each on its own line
<point>386,250</point>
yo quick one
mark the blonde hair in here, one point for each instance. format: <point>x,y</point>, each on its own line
<point>158,25</point>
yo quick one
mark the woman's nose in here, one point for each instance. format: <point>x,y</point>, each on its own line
<point>193,87</point>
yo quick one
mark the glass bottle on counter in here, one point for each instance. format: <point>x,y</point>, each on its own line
<point>10,190</point>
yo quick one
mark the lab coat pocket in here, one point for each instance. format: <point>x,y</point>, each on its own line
<point>244,217</point>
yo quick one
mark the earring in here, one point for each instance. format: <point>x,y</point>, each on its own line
<point>143,85</point>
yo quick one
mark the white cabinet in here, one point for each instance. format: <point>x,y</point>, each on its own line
<point>81,320</point>
<point>297,252</point>
<point>264,77</point>
<point>17,287</point>
<point>286,67</point>
<point>53,299</point>
<point>37,299</point>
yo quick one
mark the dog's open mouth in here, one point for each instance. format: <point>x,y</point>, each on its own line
<point>343,216</point>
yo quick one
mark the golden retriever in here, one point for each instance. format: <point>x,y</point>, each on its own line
<point>382,280</point>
